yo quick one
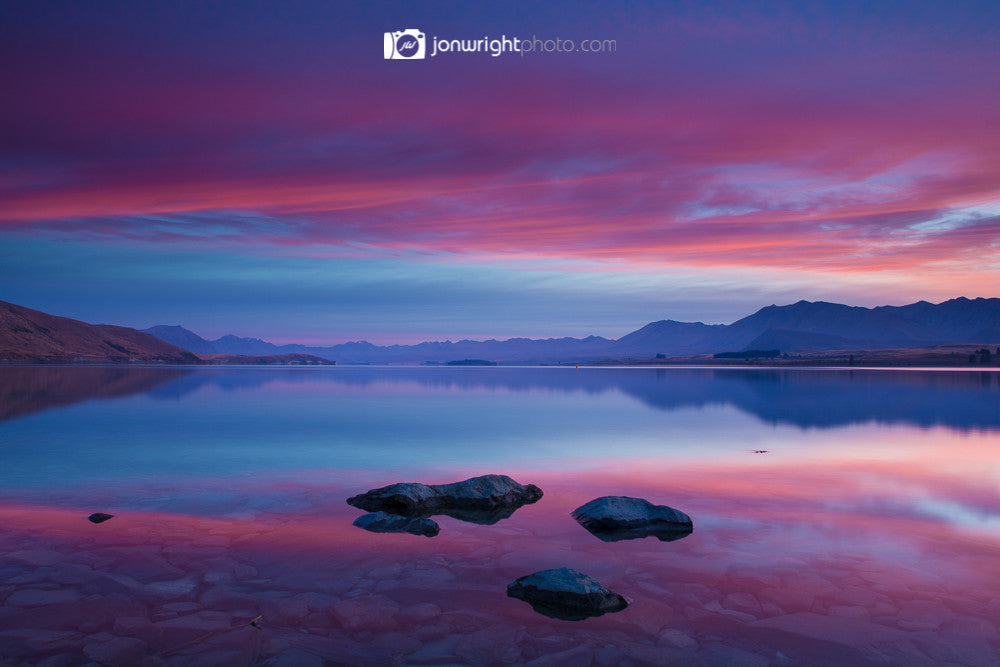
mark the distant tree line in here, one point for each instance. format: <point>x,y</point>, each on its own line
<point>982,356</point>
<point>748,354</point>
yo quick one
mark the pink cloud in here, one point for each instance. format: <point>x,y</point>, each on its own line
<point>824,160</point>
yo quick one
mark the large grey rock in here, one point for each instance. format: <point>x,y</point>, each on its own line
<point>614,518</point>
<point>382,522</point>
<point>566,594</point>
<point>483,500</point>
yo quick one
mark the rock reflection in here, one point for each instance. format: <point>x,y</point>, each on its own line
<point>381,522</point>
<point>620,534</point>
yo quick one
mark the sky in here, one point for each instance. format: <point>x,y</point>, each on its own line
<point>261,168</point>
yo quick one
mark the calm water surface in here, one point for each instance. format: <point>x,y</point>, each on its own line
<point>868,532</point>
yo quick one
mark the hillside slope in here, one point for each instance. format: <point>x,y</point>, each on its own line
<point>31,335</point>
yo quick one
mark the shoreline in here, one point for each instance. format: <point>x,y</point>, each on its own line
<point>958,356</point>
<point>607,364</point>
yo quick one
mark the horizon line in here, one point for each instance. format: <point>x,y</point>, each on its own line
<point>282,341</point>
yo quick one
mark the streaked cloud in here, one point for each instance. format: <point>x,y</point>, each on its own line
<point>850,152</point>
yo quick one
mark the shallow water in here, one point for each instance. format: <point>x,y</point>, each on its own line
<point>867,532</point>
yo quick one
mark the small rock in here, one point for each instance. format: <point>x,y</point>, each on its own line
<point>495,644</point>
<point>296,658</point>
<point>34,597</point>
<point>923,615</point>
<point>609,654</point>
<point>382,522</point>
<point>744,602</point>
<point>285,610</point>
<point>566,594</point>
<point>99,517</point>
<point>27,641</point>
<point>183,630</point>
<point>646,654</point>
<point>725,654</point>
<point>118,651</point>
<point>217,577</point>
<point>579,656</point>
<point>614,518</point>
<point>371,613</point>
<point>175,588</point>
<point>316,601</point>
<point>849,611</point>
<point>134,626</point>
<point>676,638</point>
<point>397,643</point>
<point>420,612</point>
<point>145,566</point>
<point>59,660</point>
<point>438,652</point>
<point>36,557</point>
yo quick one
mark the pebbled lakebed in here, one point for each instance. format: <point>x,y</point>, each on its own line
<point>841,516</point>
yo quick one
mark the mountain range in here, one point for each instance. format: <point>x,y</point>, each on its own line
<point>31,335</point>
<point>801,326</point>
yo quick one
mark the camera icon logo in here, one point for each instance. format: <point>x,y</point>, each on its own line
<point>410,44</point>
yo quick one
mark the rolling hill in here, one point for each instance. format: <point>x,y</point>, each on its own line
<point>31,335</point>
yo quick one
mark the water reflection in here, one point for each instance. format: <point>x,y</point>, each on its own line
<point>792,564</point>
<point>817,398</point>
<point>872,537</point>
<point>28,389</point>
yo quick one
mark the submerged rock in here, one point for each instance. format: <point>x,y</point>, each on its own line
<point>614,518</point>
<point>483,500</point>
<point>566,594</point>
<point>382,522</point>
<point>99,517</point>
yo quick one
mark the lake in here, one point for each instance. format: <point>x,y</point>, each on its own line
<point>841,516</point>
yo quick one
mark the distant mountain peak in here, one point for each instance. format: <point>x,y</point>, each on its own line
<point>183,338</point>
<point>169,327</point>
<point>802,325</point>
<point>245,339</point>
